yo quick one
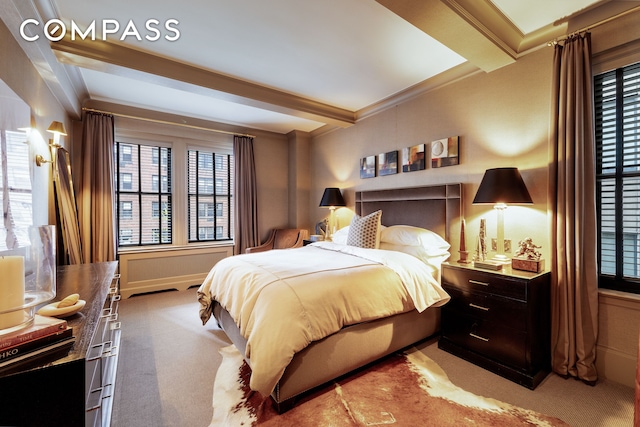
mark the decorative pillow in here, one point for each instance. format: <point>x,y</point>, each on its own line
<point>341,235</point>
<point>407,235</point>
<point>364,232</point>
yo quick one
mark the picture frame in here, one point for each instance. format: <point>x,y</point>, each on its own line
<point>444,152</point>
<point>368,167</point>
<point>388,163</point>
<point>413,158</point>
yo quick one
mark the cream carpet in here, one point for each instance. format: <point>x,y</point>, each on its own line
<point>168,363</point>
<point>405,389</point>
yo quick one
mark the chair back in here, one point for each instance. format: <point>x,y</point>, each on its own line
<point>287,238</point>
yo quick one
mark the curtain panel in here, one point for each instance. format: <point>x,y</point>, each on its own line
<point>246,199</point>
<point>96,208</point>
<point>572,206</point>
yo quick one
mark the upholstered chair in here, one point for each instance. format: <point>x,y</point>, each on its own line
<point>282,238</point>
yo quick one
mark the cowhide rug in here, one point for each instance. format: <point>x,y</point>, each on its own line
<point>406,389</point>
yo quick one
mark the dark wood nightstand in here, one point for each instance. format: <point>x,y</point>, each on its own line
<point>499,320</point>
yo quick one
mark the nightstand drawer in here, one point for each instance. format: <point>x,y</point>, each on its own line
<point>487,338</point>
<point>480,281</point>
<point>502,311</point>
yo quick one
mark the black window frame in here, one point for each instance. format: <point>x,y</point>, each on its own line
<point>143,194</point>
<point>617,132</point>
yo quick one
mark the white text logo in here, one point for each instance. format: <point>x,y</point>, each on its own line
<point>55,30</point>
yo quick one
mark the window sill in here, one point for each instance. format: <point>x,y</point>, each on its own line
<point>611,296</point>
<point>167,248</point>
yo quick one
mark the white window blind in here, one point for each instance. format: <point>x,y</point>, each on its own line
<point>15,190</point>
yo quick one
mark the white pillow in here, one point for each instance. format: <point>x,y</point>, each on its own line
<point>340,236</point>
<point>364,232</point>
<point>407,235</point>
<point>419,252</point>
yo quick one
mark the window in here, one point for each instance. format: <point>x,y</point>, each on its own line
<point>126,210</point>
<point>617,123</point>
<point>15,189</point>
<point>125,153</point>
<point>204,168</point>
<point>144,194</point>
<point>125,181</point>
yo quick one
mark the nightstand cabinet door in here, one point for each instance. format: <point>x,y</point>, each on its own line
<point>498,320</point>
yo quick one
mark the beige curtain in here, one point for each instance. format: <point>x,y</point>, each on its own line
<point>574,293</point>
<point>96,188</point>
<point>245,199</point>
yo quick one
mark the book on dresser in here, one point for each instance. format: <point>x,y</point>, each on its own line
<point>7,354</point>
<point>41,327</point>
<point>46,339</point>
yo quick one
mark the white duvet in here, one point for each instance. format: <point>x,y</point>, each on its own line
<point>282,300</point>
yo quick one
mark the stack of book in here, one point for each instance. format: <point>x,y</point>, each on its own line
<point>46,340</point>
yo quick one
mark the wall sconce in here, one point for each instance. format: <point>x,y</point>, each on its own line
<point>502,186</point>
<point>332,198</point>
<point>57,129</point>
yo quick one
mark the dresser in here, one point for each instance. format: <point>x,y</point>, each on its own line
<point>75,390</point>
<point>499,320</point>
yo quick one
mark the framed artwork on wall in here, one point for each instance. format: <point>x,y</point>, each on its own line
<point>444,152</point>
<point>413,158</point>
<point>388,163</point>
<point>368,167</point>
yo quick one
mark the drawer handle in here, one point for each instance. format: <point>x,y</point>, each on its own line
<point>479,337</point>
<point>479,307</point>
<point>475,282</point>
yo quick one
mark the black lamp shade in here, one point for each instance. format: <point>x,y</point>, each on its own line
<point>502,185</point>
<point>332,197</point>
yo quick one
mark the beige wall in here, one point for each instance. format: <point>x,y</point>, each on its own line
<point>501,118</point>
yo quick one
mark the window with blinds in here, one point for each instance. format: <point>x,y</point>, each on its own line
<point>143,194</point>
<point>210,189</point>
<point>617,128</point>
<point>15,190</point>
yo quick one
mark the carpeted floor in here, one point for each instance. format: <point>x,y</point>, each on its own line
<point>168,363</point>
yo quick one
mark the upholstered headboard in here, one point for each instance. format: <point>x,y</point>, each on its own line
<point>435,207</point>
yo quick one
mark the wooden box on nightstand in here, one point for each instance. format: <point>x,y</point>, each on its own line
<point>499,320</point>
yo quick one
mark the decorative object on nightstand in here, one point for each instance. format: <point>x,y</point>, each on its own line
<point>502,186</point>
<point>498,320</point>
<point>528,258</point>
<point>481,244</point>
<point>464,254</point>
<point>331,198</point>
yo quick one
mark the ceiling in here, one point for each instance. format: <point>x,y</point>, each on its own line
<point>281,65</point>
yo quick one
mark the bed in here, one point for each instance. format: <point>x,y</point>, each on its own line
<point>274,306</point>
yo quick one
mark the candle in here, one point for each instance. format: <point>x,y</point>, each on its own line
<point>463,243</point>
<point>11,290</point>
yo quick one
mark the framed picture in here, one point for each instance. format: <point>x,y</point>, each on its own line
<point>368,167</point>
<point>388,163</point>
<point>444,152</point>
<point>413,158</point>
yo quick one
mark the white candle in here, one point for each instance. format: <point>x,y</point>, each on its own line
<point>11,290</point>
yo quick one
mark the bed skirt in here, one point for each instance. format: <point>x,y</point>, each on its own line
<point>349,349</point>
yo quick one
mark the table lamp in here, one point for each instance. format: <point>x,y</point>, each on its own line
<point>500,187</point>
<point>332,198</point>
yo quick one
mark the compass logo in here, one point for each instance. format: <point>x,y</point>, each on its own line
<point>55,30</point>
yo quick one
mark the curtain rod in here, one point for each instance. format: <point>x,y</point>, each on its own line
<point>594,25</point>
<point>92,110</point>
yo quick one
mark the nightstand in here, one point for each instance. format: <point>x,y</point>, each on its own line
<point>499,320</point>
